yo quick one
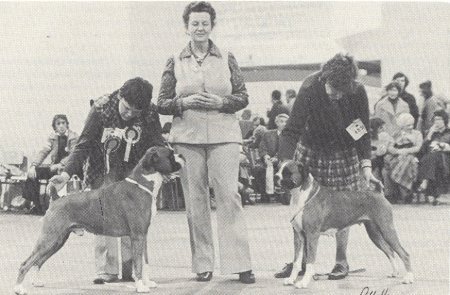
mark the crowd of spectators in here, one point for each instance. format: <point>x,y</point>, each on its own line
<point>411,150</point>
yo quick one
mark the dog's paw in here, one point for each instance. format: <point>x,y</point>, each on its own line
<point>20,290</point>
<point>301,284</point>
<point>149,283</point>
<point>37,283</point>
<point>141,287</point>
<point>408,278</point>
<point>288,281</point>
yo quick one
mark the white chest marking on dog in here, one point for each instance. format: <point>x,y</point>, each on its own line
<point>157,180</point>
<point>299,199</point>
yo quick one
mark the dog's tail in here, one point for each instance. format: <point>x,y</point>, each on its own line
<point>52,192</point>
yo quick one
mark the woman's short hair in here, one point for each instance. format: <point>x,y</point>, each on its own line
<point>276,95</point>
<point>393,85</point>
<point>290,93</point>
<point>400,75</point>
<point>340,72</point>
<point>137,92</point>
<point>443,114</point>
<point>199,6</point>
<point>405,119</point>
<point>59,117</point>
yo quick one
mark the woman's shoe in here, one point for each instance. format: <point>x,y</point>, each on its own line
<point>204,276</point>
<point>247,277</point>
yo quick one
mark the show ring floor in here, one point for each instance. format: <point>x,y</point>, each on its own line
<point>423,231</point>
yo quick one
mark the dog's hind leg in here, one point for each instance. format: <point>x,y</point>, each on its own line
<point>37,282</point>
<point>377,238</point>
<point>49,242</point>
<point>297,264</point>
<point>390,236</point>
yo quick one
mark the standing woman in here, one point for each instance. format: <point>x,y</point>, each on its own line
<point>202,87</point>
<point>327,134</point>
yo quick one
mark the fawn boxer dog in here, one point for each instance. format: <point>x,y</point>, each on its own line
<point>317,209</point>
<point>123,208</point>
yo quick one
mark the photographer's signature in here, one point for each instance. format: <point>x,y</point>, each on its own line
<point>367,291</point>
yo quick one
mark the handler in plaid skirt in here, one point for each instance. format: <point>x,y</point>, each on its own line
<point>327,134</point>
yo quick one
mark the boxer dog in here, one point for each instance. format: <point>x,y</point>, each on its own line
<point>318,209</point>
<point>123,208</point>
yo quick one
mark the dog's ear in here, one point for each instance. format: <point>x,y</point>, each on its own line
<point>150,159</point>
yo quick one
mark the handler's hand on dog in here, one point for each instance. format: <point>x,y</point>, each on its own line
<point>59,181</point>
<point>369,177</point>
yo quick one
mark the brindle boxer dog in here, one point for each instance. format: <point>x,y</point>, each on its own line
<point>121,209</point>
<point>317,209</point>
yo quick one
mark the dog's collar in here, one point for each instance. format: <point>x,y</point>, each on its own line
<point>139,185</point>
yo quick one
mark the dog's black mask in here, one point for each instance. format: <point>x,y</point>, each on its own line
<point>293,175</point>
<point>162,160</point>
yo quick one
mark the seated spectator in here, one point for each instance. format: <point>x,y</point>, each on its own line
<point>268,151</point>
<point>390,107</point>
<point>253,138</point>
<point>59,144</point>
<point>277,108</point>
<point>401,164</point>
<point>434,164</point>
<point>245,123</point>
<point>379,141</point>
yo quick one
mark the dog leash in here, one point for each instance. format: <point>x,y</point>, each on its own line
<point>154,210</point>
<point>322,276</point>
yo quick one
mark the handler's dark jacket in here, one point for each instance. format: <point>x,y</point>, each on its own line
<point>319,123</point>
<point>105,114</point>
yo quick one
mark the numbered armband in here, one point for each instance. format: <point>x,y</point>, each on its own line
<point>356,129</point>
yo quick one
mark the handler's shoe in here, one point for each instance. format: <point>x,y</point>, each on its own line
<point>287,270</point>
<point>247,277</point>
<point>204,276</point>
<point>105,278</point>
<point>339,272</point>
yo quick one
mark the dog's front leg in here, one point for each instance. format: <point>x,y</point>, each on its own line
<point>137,248</point>
<point>312,241</point>
<point>298,257</point>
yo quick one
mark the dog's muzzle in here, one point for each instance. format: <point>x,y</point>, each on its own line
<point>278,178</point>
<point>180,160</point>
